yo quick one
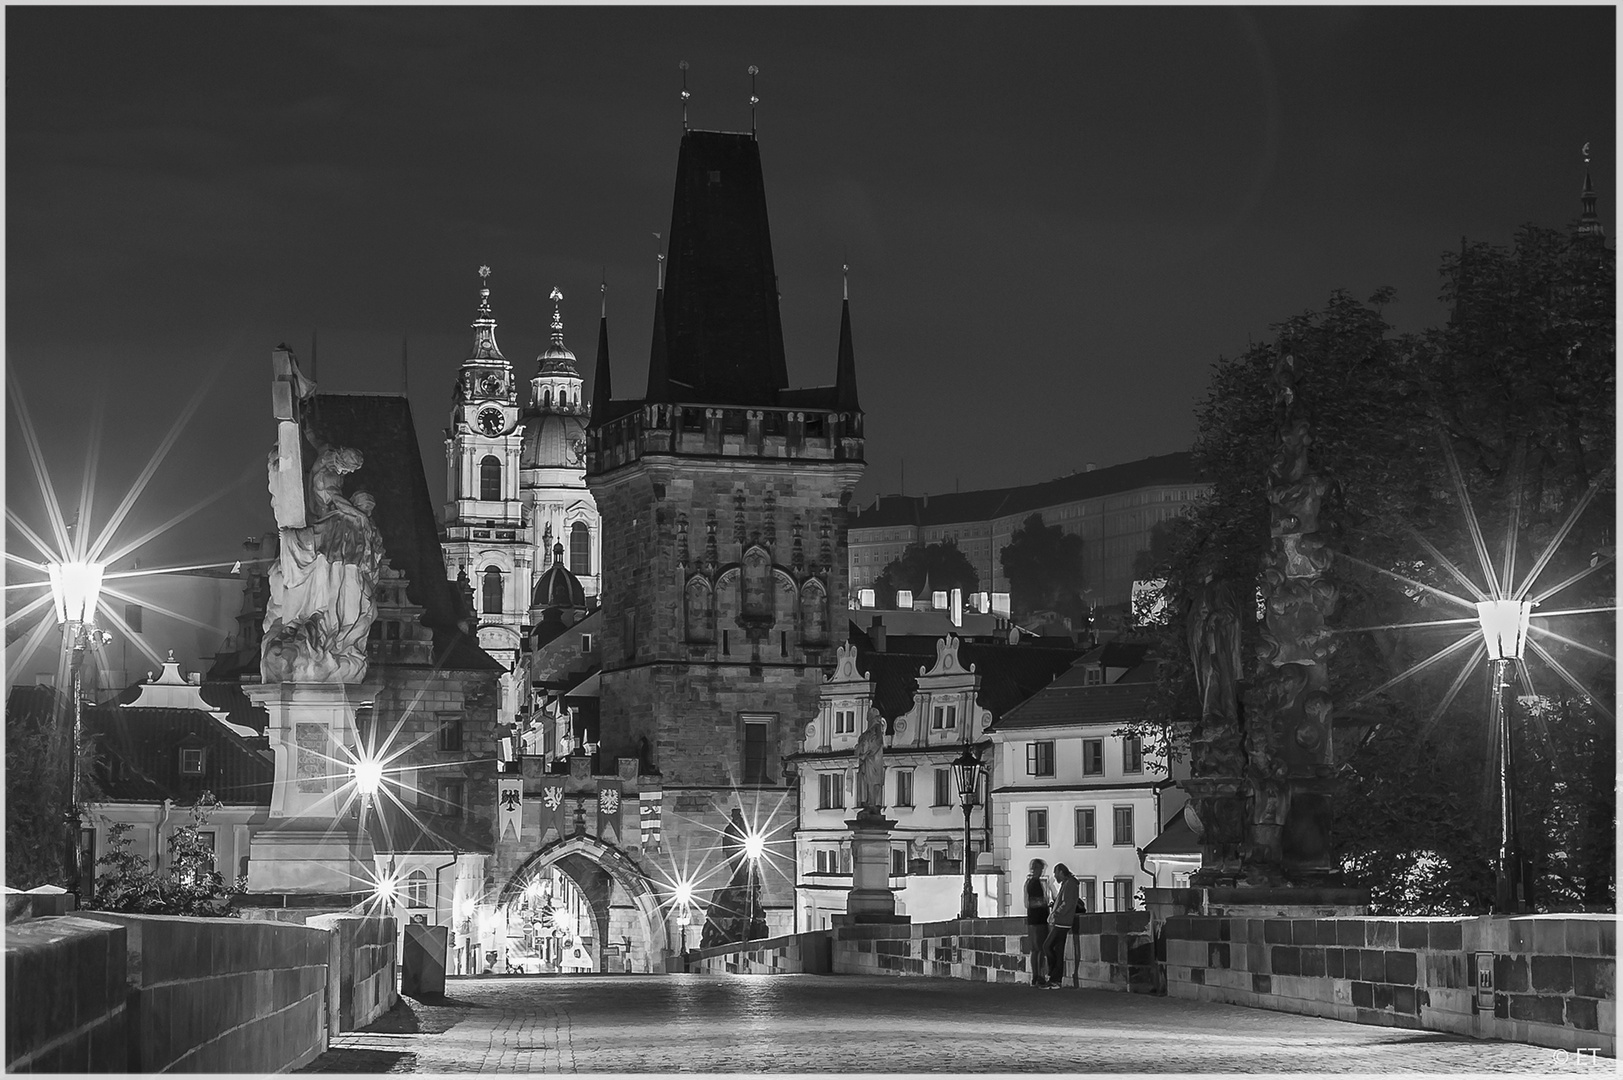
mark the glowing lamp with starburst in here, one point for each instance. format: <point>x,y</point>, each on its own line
<point>1504,627</point>
<point>754,845</point>
<point>76,589</point>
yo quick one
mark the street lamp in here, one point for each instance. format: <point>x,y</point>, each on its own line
<point>754,848</point>
<point>1504,632</point>
<point>75,590</point>
<point>966,775</point>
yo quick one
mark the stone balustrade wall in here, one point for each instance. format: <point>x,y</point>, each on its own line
<point>362,974</point>
<point>222,995</point>
<point>66,1008</point>
<point>1553,976</point>
<point>791,954</point>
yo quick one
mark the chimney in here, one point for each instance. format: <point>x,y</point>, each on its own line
<point>958,607</point>
<point>876,633</point>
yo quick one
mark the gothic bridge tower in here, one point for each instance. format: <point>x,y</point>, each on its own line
<point>723,495</point>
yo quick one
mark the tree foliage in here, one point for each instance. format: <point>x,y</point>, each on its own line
<point>1044,566</point>
<point>190,886</point>
<point>1519,385</point>
<point>942,565</point>
<point>39,722</point>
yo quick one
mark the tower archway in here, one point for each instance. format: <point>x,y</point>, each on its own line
<point>625,909</point>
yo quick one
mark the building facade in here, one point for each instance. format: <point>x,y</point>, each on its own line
<point>1071,787</point>
<point>1113,509</point>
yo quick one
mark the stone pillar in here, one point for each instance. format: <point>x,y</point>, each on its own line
<point>314,842</point>
<point>870,898</point>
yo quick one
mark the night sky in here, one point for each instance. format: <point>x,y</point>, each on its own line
<point>1056,219</point>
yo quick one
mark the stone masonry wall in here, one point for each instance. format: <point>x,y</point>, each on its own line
<point>414,699</point>
<point>65,996</point>
<point>689,700</point>
<point>364,973</point>
<point>222,995</point>
<point>1553,976</point>
<point>793,954</point>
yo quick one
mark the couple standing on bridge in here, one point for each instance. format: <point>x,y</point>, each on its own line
<point>1048,922</point>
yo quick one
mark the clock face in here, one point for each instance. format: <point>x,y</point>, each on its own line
<point>492,384</point>
<point>491,421</point>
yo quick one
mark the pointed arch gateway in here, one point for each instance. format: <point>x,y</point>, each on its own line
<point>624,903</point>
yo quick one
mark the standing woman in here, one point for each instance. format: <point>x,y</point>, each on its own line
<point>1036,919</point>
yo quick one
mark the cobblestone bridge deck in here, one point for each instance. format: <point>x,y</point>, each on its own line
<point>810,1023</point>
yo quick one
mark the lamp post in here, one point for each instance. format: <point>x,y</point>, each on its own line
<point>75,590</point>
<point>966,775</point>
<point>1504,632</point>
<point>754,847</point>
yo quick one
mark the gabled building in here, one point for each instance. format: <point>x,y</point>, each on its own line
<point>934,706</point>
<point>1071,788</point>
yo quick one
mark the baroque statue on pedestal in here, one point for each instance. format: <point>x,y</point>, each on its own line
<point>323,581</point>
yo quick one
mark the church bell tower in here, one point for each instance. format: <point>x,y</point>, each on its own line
<point>484,534</point>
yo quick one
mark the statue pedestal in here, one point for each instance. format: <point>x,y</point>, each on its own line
<point>870,899</point>
<point>314,841</point>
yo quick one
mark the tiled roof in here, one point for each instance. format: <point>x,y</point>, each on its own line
<point>1112,654</point>
<point>220,694</point>
<point>1057,706</point>
<point>990,503</point>
<point>380,427</point>
<point>138,757</point>
<point>1175,838</point>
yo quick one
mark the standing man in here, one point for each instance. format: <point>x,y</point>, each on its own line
<point>1066,901</point>
<point>1036,919</point>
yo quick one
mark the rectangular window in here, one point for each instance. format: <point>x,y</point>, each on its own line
<point>451,797</point>
<point>943,787</point>
<point>1121,894</point>
<point>1093,757</point>
<point>904,787</point>
<point>450,731</point>
<point>845,721</point>
<point>945,717</point>
<point>1087,892</point>
<point>205,840</point>
<point>1085,836</point>
<point>586,643</point>
<point>825,861</point>
<point>830,791</point>
<point>898,862</point>
<point>1132,754</point>
<point>1037,827</point>
<point>1040,758</point>
<point>1123,816</point>
<point>191,761</point>
<point>755,751</point>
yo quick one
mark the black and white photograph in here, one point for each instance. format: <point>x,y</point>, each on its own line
<point>917,539</point>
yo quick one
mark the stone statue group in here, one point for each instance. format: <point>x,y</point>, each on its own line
<point>323,582</point>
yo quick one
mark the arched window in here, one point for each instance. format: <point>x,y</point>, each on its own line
<point>417,889</point>
<point>546,399</point>
<point>563,399</point>
<point>580,549</point>
<point>493,591</point>
<point>490,478</point>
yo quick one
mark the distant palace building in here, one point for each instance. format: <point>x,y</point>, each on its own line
<point>1113,509</point>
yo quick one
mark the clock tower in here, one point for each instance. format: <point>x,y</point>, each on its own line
<point>484,532</point>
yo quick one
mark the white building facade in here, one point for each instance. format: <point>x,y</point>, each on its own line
<point>1072,788</point>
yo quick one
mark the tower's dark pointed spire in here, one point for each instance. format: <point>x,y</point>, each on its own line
<point>659,368</point>
<point>845,379</point>
<point>1589,224</point>
<point>723,334</point>
<point>600,380</point>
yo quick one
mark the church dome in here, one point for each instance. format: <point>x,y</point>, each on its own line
<point>557,360</point>
<point>550,441</point>
<point>557,587</point>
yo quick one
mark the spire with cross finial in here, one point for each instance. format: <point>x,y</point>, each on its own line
<point>683,65</point>
<point>1589,225</point>
<point>845,367</point>
<point>557,359</point>
<point>557,317</point>
<point>484,323</point>
<point>754,101</point>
